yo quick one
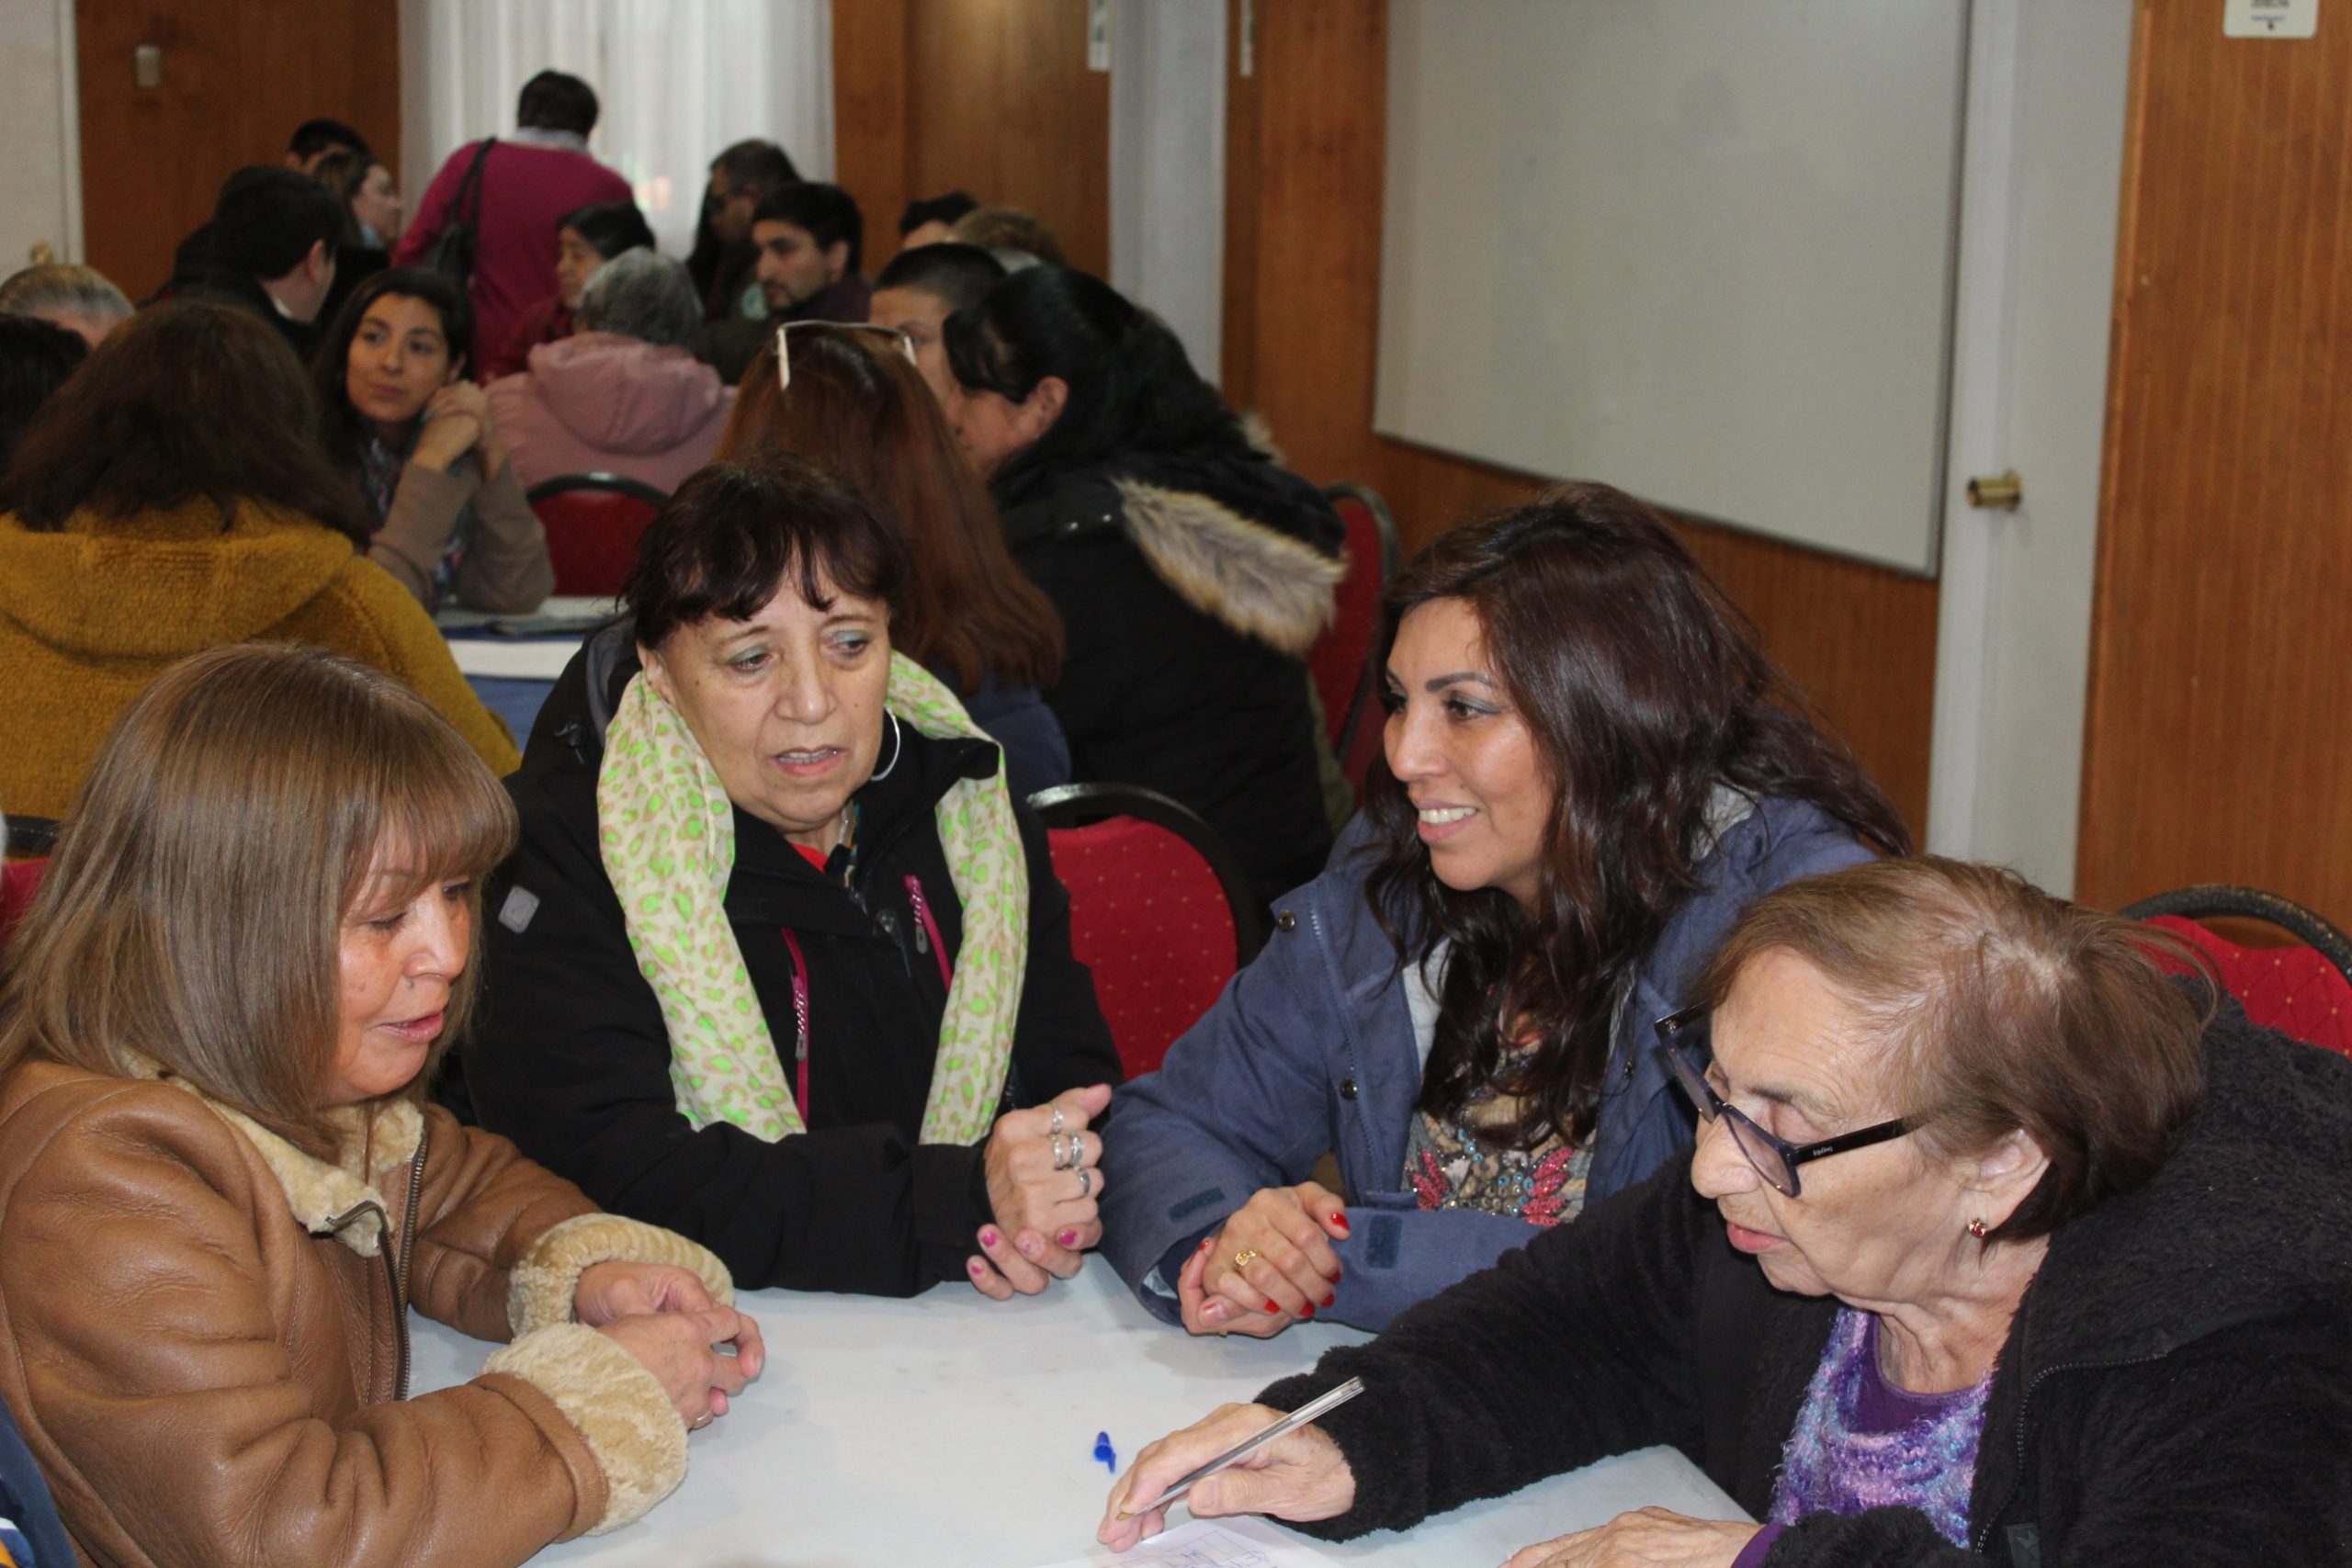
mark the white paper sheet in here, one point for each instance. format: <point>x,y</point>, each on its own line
<point>1213,1543</point>
<point>513,658</point>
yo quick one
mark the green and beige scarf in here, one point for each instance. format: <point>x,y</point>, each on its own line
<point>667,832</point>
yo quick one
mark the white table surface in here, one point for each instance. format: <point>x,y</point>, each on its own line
<point>953,1429</point>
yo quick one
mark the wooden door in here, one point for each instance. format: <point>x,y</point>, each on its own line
<point>2216,748</point>
<point>237,78</point>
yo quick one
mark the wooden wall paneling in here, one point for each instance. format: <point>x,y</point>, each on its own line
<point>1000,103</point>
<point>1306,144</point>
<point>870,117</point>
<point>238,76</point>
<point>2214,748</point>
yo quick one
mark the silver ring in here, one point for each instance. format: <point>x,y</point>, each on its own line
<point>1085,1183</point>
<point>1057,1120</point>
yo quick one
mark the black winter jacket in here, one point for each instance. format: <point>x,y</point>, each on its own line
<point>2176,1386</point>
<point>569,1058</point>
<point>1190,589</point>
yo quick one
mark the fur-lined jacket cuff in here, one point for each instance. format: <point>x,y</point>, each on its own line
<point>618,1404</point>
<point>540,1289</point>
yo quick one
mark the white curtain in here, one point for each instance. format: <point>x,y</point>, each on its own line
<point>678,80</point>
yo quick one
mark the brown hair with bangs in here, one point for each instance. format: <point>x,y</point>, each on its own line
<point>2004,1010</point>
<point>860,405</point>
<point>194,911</point>
<point>724,544</point>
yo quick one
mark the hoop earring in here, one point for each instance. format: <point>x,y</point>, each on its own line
<point>897,744</point>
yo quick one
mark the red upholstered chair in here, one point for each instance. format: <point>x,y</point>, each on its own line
<point>2303,990</point>
<point>1339,659</point>
<point>1159,910</point>
<point>594,521</point>
<point>19,882</point>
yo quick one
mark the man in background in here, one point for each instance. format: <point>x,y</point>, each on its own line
<point>808,238</point>
<point>312,140</point>
<point>740,179</point>
<point>528,181</point>
<point>920,288</point>
<point>271,250</point>
<point>926,222</point>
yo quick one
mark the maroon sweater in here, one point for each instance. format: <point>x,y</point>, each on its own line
<point>524,189</point>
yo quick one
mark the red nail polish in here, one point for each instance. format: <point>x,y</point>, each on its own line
<point>1206,1241</point>
<point>974,1265</point>
<point>988,1238</point>
<point>1332,1300</point>
<point>1340,1223</point>
<point>1272,1307</point>
<point>1306,1311</point>
<point>1068,1238</point>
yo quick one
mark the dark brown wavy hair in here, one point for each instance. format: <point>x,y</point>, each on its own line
<point>1644,691</point>
<point>858,406</point>
<point>184,402</point>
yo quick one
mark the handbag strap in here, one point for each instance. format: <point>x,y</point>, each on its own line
<point>471,185</point>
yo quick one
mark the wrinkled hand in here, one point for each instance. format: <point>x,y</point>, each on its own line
<point>1296,1271</point>
<point>1046,1218</point>
<point>681,1348</point>
<point>1300,1475</point>
<point>1647,1538</point>
<point>610,1291</point>
<point>456,421</point>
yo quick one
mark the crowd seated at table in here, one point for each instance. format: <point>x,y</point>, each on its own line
<point>1617,1062</point>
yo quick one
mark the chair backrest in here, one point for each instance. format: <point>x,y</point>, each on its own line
<point>1339,657</point>
<point>2304,989</point>
<point>19,881</point>
<point>1159,912</point>
<point>594,521</point>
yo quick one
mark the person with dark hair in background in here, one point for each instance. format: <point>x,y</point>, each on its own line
<point>35,358</point>
<point>624,394</point>
<point>271,250</point>
<point>1589,767</point>
<point>1192,571</point>
<point>740,179</point>
<point>920,290</point>
<point>82,300</point>
<point>584,240</point>
<point>170,498</point>
<point>529,181</point>
<point>808,237</point>
<point>928,222</point>
<point>314,138</point>
<point>372,204</point>
<point>312,141</point>
<point>446,515</point>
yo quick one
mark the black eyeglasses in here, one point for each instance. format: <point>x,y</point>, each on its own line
<point>1686,1040</point>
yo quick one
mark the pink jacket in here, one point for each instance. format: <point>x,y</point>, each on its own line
<point>595,402</point>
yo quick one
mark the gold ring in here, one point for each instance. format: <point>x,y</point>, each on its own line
<point>1246,1257</point>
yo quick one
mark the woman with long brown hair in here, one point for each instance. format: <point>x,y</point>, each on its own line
<point>850,398</point>
<point>1589,768</point>
<point>168,499</point>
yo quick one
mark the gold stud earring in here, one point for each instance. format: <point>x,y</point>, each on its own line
<point>1977,1228</point>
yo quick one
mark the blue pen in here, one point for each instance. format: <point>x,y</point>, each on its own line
<point>1105,1452</point>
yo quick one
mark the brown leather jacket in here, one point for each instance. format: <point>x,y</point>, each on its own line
<point>211,1346</point>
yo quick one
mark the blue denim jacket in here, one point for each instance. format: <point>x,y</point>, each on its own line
<point>1312,1048</point>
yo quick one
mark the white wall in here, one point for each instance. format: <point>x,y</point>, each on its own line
<point>40,179</point>
<point>1168,166</point>
<point>2030,393</point>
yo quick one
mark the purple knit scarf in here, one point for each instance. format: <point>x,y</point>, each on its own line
<point>1833,1464</point>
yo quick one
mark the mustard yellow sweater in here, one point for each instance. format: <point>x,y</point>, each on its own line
<point>90,614</point>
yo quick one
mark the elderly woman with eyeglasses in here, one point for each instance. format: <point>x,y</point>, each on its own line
<point>1999,1246</point>
<point>780,959</point>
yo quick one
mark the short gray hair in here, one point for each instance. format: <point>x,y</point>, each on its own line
<point>51,289</point>
<point>638,294</point>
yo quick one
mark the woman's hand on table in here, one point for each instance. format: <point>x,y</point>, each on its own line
<point>1287,1268</point>
<point>615,1290</point>
<point>1045,1190</point>
<point>683,1350</point>
<point>1647,1538</point>
<point>1301,1476</point>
